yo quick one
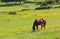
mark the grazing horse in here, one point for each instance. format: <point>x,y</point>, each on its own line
<point>37,22</point>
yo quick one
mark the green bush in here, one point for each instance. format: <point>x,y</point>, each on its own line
<point>43,7</point>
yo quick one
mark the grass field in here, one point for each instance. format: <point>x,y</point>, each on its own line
<point>20,25</point>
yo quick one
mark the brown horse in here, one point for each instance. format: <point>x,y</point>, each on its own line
<point>37,22</point>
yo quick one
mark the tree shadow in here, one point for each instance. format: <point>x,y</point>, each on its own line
<point>29,2</point>
<point>38,3</point>
<point>42,8</point>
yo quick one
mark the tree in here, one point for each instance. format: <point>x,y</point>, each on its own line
<point>57,1</point>
<point>5,1</point>
<point>13,1</point>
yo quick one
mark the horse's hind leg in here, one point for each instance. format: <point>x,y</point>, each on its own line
<point>44,25</point>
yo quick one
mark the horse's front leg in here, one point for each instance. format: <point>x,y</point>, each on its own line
<point>41,27</point>
<point>37,27</point>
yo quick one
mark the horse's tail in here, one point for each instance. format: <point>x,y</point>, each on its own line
<point>34,25</point>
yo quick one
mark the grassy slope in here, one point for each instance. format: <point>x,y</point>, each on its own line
<point>20,25</point>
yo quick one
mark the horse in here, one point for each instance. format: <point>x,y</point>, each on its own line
<point>37,22</point>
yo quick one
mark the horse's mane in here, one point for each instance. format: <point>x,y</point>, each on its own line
<point>35,22</point>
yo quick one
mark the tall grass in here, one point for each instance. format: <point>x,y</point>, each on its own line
<point>20,25</point>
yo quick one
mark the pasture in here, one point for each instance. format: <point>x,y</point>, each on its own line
<point>19,26</point>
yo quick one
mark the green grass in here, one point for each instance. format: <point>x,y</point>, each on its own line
<point>20,25</point>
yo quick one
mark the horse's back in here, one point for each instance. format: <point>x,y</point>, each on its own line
<point>41,21</point>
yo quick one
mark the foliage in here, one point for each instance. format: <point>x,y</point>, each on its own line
<point>13,1</point>
<point>10,0</point>
<point>50,2</point>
